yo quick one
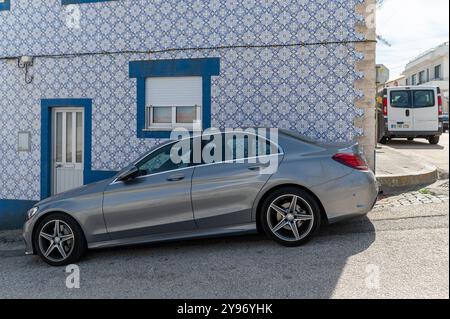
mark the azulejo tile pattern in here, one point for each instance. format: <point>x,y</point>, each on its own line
<point>309,89</point>
<point>46,27</point>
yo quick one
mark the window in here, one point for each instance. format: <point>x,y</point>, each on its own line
<point>144,71</point>
<point>422,77</point>
<point>161,161</point>
<point>423,98</point>
<point>414,79</point>
<point>173,102</point>
<point>239,146</point>
<point>5,5</point>
<point>244,146</point>
<point>437,72</point>
<point>407,82</point>
<point>400,99</point>
<point>63,2</point>
<point>413,99</point>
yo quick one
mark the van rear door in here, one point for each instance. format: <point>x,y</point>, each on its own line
<point>400,115</point>
<point>426,110</point>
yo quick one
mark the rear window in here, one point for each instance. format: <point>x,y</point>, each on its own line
<point>400,99</point>
<point>424,98</point>
<point>412,99</point>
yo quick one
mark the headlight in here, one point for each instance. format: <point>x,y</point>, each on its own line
<point>32,212</point>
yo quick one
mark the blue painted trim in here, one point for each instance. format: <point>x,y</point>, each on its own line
<point>180,67</point>
<point>89,176</point>
<point>141,70</point>
<point>5,5</point>
<point>13,213</point>
<point>64,2</point>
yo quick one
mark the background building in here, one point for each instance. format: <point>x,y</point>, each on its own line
<point>382,76</point>
<point>430,68</point>
<point>397,81</point>
<point>88,85</point>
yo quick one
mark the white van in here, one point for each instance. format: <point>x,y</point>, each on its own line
<point>410,112</point>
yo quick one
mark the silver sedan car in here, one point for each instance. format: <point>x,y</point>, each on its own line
<point>172,193</point>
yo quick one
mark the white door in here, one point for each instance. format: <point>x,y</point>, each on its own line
<point>68,157</point>
<point>400,110</point>
<point>426,110</point>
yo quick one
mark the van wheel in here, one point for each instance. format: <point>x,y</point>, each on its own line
<point>434,140</point>
<point>410,139</point>
<point>384,140</point>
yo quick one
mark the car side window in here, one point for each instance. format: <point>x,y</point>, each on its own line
<point>237,146</point>
<point>245,146</point>
<point>400,99</point>
<point>161,161</point>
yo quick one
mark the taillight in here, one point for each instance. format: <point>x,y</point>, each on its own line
<point>351,160</point>
<point>440,105</point>
<point>385,106</point>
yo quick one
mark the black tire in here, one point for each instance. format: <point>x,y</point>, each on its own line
<point>434,140</point>
<point>384,140</point>
<point>78,246</point>
<point>306,230</point>
<point>410,139</point>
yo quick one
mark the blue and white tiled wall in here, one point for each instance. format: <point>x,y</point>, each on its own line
<point>309,89</point>
<point>37,27</point>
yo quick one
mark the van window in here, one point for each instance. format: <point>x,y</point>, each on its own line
<point>424,98</point>
<point>400,99</point>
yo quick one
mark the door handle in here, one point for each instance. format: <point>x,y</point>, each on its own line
<point>175,178</point>
<point>407,112</point>
<point>257,167</point>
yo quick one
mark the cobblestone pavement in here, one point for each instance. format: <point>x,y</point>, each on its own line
<point>411,198</point>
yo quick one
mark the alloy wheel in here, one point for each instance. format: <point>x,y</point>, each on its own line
<point>56,240</point>
<point>290,218</point>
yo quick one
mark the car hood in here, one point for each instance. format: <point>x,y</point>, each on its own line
<point>80,191</point>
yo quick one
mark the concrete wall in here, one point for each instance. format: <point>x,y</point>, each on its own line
<point>367,84</point>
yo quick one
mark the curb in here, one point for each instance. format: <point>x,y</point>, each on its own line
<point>10,236</point>
<point>427,176</point>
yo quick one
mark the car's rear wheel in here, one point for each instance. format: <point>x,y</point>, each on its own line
<point>434,140</point>
<point>59,240</point>
<point>290,216</point>
<point>410,139</point>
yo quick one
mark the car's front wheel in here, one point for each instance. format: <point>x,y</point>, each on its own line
<point>59,240</point>
<point>290,216</point>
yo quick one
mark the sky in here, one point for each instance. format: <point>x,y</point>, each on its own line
<point>412,27</point>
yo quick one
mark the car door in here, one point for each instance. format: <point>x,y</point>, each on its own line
<point>400,111</point>
<point>426,110</point>
<point>157,202</point>
<point>223,193</point>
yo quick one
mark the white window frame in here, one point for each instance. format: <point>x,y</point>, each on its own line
<point>151,126</point>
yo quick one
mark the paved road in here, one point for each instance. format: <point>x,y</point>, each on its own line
<point>400,252</point>
<point>437,155</point>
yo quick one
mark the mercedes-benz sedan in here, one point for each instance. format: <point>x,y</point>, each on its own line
<point>284,187</point>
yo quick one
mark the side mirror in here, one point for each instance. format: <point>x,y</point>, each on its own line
<point>130,174</point>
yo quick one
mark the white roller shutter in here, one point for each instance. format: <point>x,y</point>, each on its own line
<point>174,91</point>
